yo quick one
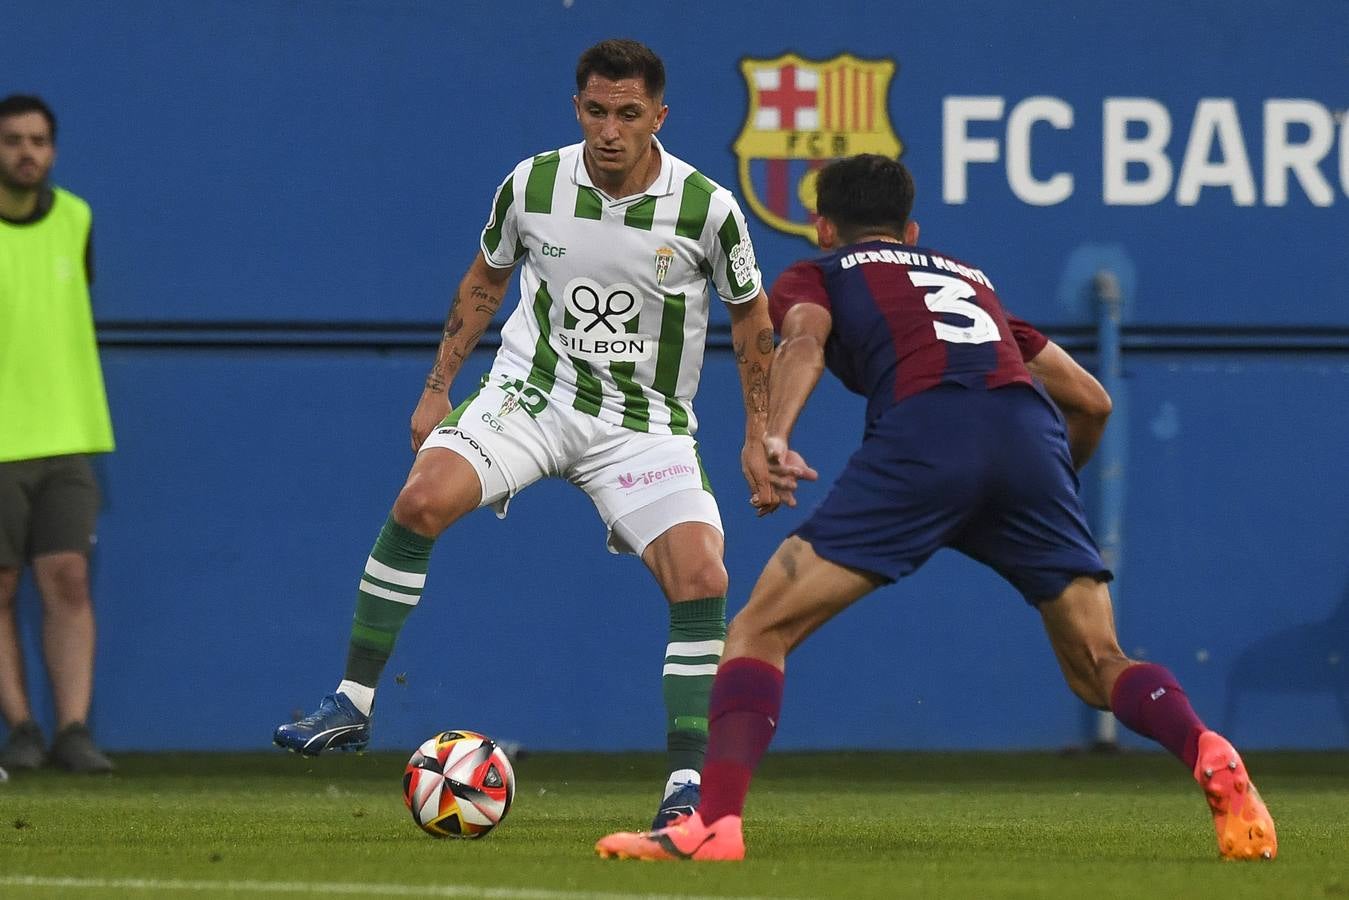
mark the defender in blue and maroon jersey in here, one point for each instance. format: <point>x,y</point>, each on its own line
<point>906,322</point>
<point>906,319</point>
<point>975,423</point>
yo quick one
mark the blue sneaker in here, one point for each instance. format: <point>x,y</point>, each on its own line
<point>678,806</point>
<point>336,725</point>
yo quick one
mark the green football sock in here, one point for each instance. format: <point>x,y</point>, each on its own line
<point>697,637</point>
<point>394,577</point>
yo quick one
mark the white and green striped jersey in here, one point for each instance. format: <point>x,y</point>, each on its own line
<point>612,318</point>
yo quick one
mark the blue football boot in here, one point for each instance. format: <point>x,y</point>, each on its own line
<point>678,806</point>
<point>336,725</point>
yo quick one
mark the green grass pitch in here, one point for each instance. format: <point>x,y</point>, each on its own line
<point>818,825</point>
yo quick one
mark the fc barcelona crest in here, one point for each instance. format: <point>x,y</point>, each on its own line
<point>802,114</point>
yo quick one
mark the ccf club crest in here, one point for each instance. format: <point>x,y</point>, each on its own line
<point>802,114</point>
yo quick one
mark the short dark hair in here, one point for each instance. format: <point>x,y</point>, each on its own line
<point>18,104</point>
<point>620,58</point>
<point>865,193</point>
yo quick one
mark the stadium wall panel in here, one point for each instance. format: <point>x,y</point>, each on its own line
<point>248,487</point>
<point>318,162</point>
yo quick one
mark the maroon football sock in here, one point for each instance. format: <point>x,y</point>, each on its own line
<point>746,701</point>
<point>1148,700</point>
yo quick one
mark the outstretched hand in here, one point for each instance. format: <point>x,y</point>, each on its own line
<point>786,468</point>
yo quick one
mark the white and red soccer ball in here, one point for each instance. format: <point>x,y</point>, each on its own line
<point>458,784</point>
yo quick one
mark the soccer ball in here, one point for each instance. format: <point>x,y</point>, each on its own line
<point>458,784</point>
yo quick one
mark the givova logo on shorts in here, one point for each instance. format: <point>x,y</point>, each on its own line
<point>602,314</point>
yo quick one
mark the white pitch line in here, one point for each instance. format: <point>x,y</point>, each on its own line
<point>328,887</point>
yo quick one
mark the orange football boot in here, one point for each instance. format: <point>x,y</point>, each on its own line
<point>687,839</point>
<point>1245,829</point>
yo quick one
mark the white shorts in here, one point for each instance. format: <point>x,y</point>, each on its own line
<point>641,484</point>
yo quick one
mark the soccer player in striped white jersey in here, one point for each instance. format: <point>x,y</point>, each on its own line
<point>619,245</point>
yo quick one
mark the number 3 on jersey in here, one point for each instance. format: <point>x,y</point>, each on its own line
<point>953,296</point>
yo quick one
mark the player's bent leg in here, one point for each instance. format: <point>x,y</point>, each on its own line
<point>798,591</point>
<point>687,840</point>
<point>1146,698</point>
<point>441,488</point>
<point>686,561</point>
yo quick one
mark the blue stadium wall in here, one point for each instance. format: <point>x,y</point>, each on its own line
<point>285,194</point>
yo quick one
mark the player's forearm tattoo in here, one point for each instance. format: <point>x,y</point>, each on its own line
<point>438,380</point>
<point>739,348</point>
<point>435,382</point>
<point>486,302</point>
<point>756,389</point>
<point>765,341</point>
<point>462,348</point>
<point>453,322</point>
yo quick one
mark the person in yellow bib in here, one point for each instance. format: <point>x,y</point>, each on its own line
<point>53,415</point>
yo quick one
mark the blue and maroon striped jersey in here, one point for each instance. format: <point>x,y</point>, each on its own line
<point>906,319</point>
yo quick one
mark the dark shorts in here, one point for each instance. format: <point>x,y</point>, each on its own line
<point>46,506</point>
<point>985,472</point>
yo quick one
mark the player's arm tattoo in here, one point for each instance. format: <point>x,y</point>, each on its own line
<point>753,375</point>
<point>758,381</point>
<point>756,393</point>
<point>765,341</point>
<point>438,378</point>
<point>461,350</point>
<point>485,301</point>
<point>455,343</point>
<point>454,324</point>
<point>435,382</point>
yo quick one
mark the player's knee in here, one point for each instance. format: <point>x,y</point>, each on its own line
<point>64,586</point>
<point>9,589</point>
<point>705,577</point>
<point>420,509</point>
